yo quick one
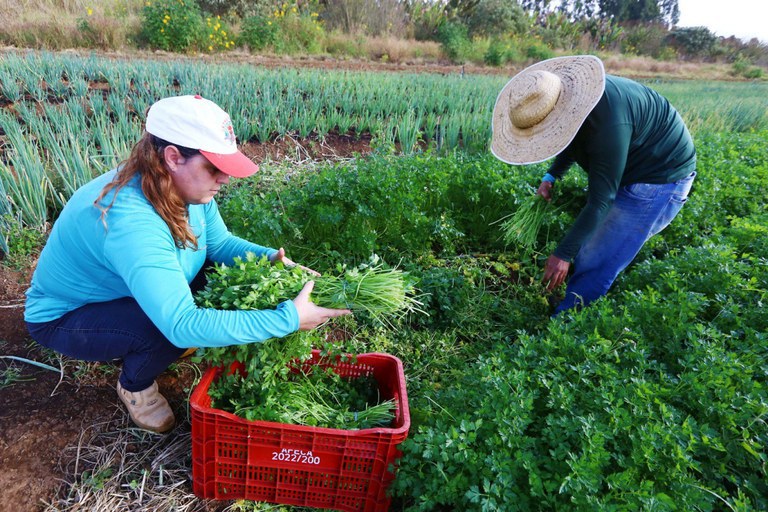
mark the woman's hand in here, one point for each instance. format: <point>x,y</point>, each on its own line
<point>310,314</point>
<point>545,190</point>
<point>280,256</point>
<point>555,272</point>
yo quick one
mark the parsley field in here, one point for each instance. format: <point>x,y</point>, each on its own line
<point>653,398</point>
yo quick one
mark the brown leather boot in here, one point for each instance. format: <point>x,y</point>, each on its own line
<point>148,408</point>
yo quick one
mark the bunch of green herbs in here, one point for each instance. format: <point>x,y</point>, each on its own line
<point>271,383</point>
<point>522,227</point>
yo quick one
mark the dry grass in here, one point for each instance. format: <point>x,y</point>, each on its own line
<point>116,468</point>
<point>391,49</point>
<point>646,67</point>
<point>382,48</point>
<point>61,24</point>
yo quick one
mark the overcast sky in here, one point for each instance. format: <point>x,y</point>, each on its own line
<point>744,19</point>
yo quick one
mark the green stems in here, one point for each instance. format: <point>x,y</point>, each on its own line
<point>522,227</point>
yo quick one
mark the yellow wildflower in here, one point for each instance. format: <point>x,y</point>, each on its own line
<point>89,11</point>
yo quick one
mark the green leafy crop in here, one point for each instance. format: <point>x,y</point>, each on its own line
<point>271,383</point>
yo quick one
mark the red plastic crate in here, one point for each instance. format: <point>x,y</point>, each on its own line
<point>234,458</point>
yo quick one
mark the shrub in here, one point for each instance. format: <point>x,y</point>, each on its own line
<point>454,37</point>
<point>643,39</point>
<point>496,54</point>
<point>538,51</point>
<point>694,41</point>
<point>558,31</point>
<point>301,32</point>
<point>496,17</point>
<point>426,18</point>
<point>605,33</point>
<point>744,68</point>
<point>18,244</point>
<point>258,33</point>
<point>286,30</point>
<point>517,50</point>
<point>218,35</point>
<point>172,25</point>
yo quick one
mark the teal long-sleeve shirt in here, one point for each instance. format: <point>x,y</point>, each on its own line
<point>131,253</point>
<point>633,135</point>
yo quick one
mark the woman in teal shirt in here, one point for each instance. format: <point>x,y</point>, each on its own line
<point>634,146</point>
<point>113,280</point>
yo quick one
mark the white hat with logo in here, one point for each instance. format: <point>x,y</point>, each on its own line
<point>197,123</point>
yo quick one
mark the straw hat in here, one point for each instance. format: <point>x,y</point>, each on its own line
<point>538,113</point>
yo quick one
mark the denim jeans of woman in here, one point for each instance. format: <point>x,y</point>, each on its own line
<point>640,211</point>
<point>117,329</point>
<point>105,331</point>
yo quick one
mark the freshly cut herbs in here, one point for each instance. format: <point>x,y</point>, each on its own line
<point>271,385</point>
<point>371,288</point>
<point>522,227</point>
<point>318,397</point>
<point>256,283</point>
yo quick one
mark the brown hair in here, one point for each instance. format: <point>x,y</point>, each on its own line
<point>146,159</point>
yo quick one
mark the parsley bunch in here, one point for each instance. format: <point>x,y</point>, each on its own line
<point>271,387</point>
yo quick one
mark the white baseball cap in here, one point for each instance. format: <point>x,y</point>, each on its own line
<point>197,123</point>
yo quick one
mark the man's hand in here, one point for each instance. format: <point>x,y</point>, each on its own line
<point>310,314</point>
<point>555,272</point>
<point>280,256</point>
<point>545,190</point>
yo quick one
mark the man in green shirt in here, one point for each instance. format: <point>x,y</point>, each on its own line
<point>635,148</point>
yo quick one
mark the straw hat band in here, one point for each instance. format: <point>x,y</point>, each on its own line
<point>534,99</point>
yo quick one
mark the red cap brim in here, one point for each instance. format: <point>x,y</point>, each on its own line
<point>236,165</point>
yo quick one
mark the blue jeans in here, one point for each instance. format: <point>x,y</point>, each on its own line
<point>640,211</point>
<point>104,331</point>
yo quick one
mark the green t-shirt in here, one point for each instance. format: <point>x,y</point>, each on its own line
<point>633,135</point>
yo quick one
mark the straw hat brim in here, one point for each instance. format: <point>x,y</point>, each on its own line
<point>583,82</point>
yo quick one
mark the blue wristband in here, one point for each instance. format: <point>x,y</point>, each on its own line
<point>548,177</point>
